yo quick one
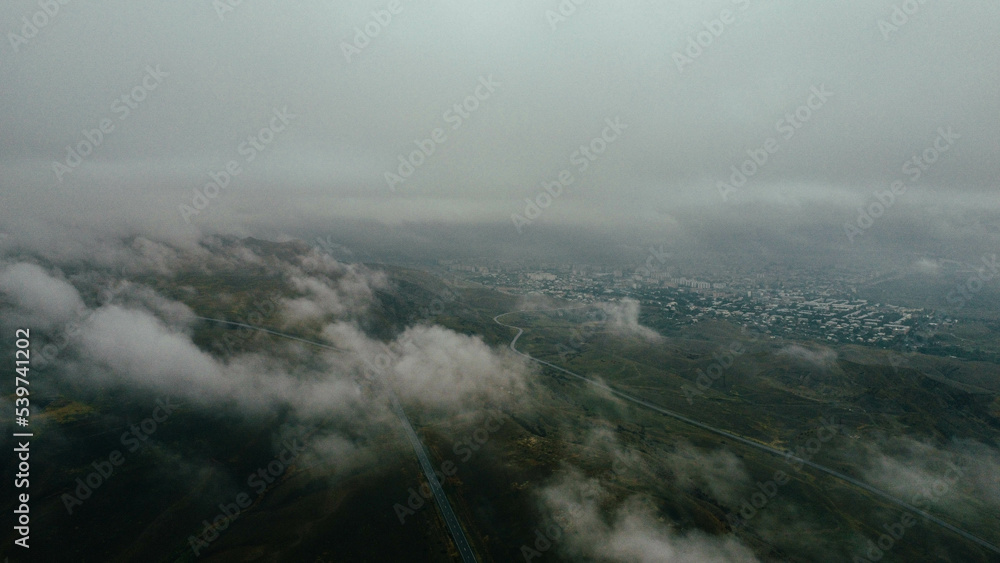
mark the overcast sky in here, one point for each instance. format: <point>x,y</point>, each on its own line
<point>199,80</point>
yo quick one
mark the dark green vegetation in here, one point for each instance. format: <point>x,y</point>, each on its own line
<point>770,398</point>
<point>199,458</point>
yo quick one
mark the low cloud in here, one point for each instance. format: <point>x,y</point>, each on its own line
<point>322,298</point>
<point>325,288</point>
<point>134,346</point>
<point>818,357</point>
<point>622,460</point>
<point>436,367</point>
<point>595,526</point>
<point>623,320</point>
<point>943,477</point>
<point>41,300</point>
<point>173,313</point>
<point>337,454</point>
<point>718,472</point>
<point>138,338</point>
<point>927,266</point>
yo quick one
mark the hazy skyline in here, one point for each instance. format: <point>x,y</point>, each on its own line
<point>782,342</point>
<point>503,97</point>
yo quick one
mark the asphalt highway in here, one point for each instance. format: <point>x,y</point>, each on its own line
<point>450,519</point>
<point>764,447</point>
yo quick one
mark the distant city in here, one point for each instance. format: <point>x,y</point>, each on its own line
<point>800,304</point>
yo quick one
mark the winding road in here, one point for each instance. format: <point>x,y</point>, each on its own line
<point>763,447</point>
<point>447,513</point>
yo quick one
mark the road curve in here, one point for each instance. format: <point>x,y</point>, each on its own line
<point>745,441</point>
<point>450,519</point>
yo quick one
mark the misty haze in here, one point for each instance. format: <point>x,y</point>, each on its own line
<point>483,281</point>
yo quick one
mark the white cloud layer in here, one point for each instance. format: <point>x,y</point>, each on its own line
<point>595,527</point>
